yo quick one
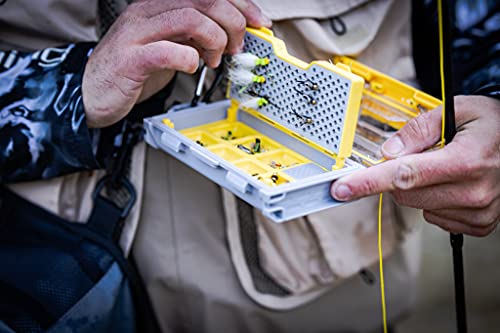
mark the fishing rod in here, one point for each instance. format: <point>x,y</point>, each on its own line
<point>449,131</point>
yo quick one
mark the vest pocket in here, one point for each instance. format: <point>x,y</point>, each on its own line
<point>283,266</point>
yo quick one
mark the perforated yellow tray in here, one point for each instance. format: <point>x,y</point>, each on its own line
<point>332,107</point>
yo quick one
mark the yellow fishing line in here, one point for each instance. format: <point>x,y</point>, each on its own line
<point>381,263</point>
<point>442,143</point>
<point>441,68</point>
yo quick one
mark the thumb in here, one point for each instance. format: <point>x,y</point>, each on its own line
<point>416,136</point>
<point>166,55</point>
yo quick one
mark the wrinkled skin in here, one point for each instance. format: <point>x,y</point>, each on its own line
<point>458,187</point>
<point>152,40</point>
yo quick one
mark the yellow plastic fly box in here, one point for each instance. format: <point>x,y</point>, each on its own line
<point>287,128</point>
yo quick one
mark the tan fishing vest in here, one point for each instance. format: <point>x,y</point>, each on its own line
<point>377,32</point>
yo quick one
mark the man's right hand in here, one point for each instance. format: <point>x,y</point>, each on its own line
<point>152,40</point>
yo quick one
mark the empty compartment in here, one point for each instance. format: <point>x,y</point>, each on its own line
<point>201,138</point>
<point>275,178</point>
<point>282,158</point>
<point>306,170</point>
<point>231,131</point>
<point>257,144</point>
<point>252,167</point>
<point>227,153</point>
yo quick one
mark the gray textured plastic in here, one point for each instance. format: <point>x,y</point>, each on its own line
<point>308,193</point>
<point>292,98</point>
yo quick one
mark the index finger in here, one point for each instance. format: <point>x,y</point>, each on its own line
<point>252,13</point>
<point>231,15</point>
<point>407,172</point>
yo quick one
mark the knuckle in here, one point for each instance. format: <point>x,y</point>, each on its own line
<point>141,61</point>
<point>489,154</point>
<point>206,5</point>
<point>368,186</point>
<point>238,24</point>
<point>491,218</point>
<point>486,217</point>
<point>480,197</point>
<point>217,39</point>
<point>179,59</point>
<point>406,176</point>
<point>419,127</point>
<point>190,18</point>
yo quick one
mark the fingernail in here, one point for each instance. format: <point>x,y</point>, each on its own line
<point>342,192</point>
<point>266,21</point>
<point>241,47</point>
<point>394,146</point>
<point>213,61</point>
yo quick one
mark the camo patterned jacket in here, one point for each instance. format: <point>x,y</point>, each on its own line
<point>476,46</point>
<point>43,132</point>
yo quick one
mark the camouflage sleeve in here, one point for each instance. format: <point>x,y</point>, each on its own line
<point>43,132</point>
<point>491,90</point>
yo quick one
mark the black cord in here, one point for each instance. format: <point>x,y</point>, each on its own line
<point>456,240</point>
<point>219,75</point>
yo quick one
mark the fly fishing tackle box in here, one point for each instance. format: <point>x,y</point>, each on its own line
<point>287,128</point>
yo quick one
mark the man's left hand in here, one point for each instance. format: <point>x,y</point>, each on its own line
<point>458,187</point>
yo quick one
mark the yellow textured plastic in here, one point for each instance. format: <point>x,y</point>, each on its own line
<point>237,143</point>
<point>403,101</point>
<point>387,100</point>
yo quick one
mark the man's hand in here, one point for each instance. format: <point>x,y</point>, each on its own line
<point>150,41</point>
<point>458,187</point>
